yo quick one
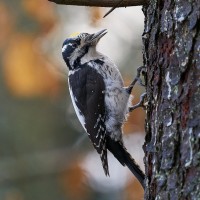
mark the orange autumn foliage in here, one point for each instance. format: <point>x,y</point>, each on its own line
<point>43,12</point>
<point>134,191</point>
<point>6,22</point>
<point>27,73</point>
<point>73,182</point>
<point>96,15</point>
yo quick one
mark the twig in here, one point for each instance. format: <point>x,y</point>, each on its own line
<point>101,3</point>
<point>113,8</point>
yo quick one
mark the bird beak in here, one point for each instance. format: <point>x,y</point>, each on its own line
<point>95,37</point>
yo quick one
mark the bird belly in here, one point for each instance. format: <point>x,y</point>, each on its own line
<point>117,102</point>
<point>117,99</point>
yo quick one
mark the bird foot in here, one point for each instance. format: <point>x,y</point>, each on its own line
<point>140,70</point>
<point>140,104</point>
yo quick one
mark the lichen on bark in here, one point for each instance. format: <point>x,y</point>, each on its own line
<point>172,56</point>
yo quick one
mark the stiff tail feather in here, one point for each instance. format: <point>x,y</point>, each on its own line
<point>120,152</point>
<point>104,160</point>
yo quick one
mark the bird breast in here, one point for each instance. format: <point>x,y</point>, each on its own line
<point>117,100</point>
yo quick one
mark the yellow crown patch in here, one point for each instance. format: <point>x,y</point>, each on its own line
<point>74,34</point>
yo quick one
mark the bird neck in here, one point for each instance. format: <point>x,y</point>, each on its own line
<point>74,61</point>
<point>92,54</point>
<point>78,60</point>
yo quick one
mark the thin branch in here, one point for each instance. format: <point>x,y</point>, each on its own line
<point>113,8</point>
<point>101,3</point>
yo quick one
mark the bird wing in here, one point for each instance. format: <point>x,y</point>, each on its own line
<point>87,92</point>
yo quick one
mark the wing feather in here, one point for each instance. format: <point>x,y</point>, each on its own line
<point>87,92</point>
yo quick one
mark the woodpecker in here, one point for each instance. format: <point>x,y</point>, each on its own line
<point>100,99</point>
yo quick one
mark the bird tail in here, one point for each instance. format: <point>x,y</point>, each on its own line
<point>104,160</point>
<point>120,152</point>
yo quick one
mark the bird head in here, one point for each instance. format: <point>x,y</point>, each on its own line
<point>78,45</point>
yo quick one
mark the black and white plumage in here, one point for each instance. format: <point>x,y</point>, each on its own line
<point>99,97</point>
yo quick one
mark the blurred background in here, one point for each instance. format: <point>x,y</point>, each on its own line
<point>44,152</point>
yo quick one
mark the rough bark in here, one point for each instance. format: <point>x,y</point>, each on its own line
<point>102,3</point>
<point>172,56</point>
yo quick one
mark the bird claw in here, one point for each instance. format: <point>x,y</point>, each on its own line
<point>140,104</point>
<point>141,69</point>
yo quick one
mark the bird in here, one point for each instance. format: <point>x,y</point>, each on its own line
<point>101,101</point>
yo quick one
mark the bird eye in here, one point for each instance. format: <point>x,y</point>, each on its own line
<point>74,45</point>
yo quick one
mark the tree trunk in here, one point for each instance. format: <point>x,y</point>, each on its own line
<point>172,56</point>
